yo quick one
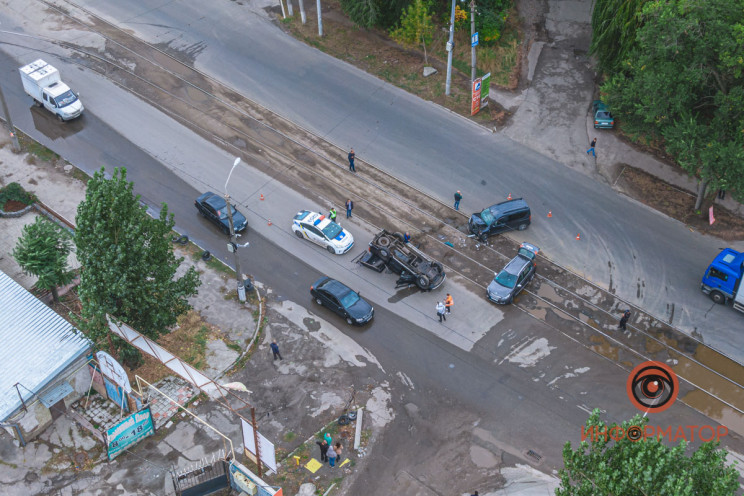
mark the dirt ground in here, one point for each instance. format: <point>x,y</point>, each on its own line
<point>374,52</point>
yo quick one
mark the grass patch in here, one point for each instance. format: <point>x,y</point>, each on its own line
<point>188,341</point>
<point>38,150</point>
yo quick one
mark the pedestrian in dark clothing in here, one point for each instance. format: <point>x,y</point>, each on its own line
<point>323,450</point>
<point>591,147</point>
<point>351,160</point>
<point>349,207</point>
<point>624,320</point>
<point>275,350</point>
<point>721,194</point>
<point>440,311</point>
<point>332,215</point>
<point>475,493</point>
<point>331,456</point>
<point>407,237</point>
<point>458,197</point>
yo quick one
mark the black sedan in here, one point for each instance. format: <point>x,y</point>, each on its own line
<point>342,300</point>
<point>509,282</point>
<point>213,207</point>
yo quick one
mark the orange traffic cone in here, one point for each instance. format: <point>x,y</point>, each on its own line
<point>261,197</point>
<point>269,221</point>
<point>578,237</point>
<point>509,197</point>
<point>550,213</point>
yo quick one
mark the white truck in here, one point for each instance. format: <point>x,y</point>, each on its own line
<point>41,82</point>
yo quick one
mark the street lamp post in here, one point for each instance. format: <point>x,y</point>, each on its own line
<point>232,246</point>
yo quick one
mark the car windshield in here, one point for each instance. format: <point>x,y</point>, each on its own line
<point>65,99</point>
<point>506,279</point>
<point>349,299</point>
<point>604,115</point>
<point>223,212</point>
<point>332,230</point>
<point>487,216</point>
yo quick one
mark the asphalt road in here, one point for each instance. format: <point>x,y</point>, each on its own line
<point>646,258</point>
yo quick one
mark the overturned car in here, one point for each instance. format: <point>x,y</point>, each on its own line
<point>390,250</point>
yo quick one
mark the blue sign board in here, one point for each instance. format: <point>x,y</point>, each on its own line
<point>129,431</point>
<point>474,40</point>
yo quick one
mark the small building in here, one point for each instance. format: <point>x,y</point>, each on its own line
<point>42,362</point>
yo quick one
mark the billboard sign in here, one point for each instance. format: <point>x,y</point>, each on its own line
<point>268,455</point>
<point>111,369</point>
<point>485,86</point>
<point>129,431</point>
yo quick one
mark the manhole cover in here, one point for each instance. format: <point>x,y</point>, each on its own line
<point>81,459</point>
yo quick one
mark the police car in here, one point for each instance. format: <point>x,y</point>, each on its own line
<point>323,231</point>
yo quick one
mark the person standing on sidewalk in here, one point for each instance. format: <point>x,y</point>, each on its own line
<point>331,456</point>
<point>275,350</point>
<point>591,147</point>
<point>458,197</point>
<point>448,302</point>
<point>323,450</point>
<point>332,215</point>
<point>624,320</point>
<point>352,155</point>
<point>338,449</point>
<point>349,207</point>
<point>440,311</point>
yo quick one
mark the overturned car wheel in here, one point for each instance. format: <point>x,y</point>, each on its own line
<point>422,282</point>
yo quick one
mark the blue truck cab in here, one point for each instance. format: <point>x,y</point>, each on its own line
<point>723,278</point>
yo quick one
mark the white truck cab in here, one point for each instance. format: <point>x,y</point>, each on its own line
<point>42,82</point>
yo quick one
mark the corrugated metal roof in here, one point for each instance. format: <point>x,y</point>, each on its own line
<point>36,344</point>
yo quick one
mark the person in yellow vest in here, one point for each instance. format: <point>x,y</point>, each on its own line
<point>332,215</point>
<point>448,303</point>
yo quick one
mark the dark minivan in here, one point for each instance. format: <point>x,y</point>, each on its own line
<point>505,216</point>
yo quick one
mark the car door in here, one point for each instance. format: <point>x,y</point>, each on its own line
<point>314,234</point>
<point>211,214</point>
<point>523,279</point>
<point>499,225</point>
<point>332,302</point>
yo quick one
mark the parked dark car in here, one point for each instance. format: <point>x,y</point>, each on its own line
<point>212,206</point>
<point>518,272</point>
<point>391,250</point>
<point>505,216</point>
<point>602,117</point>
<point>342,300</point>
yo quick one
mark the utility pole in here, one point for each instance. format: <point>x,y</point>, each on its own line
<point>450,47</point>
<point>232,245</point>
<point>11,128</point>
<point>290,11</point>
<point>472,33</point>
<point>320,20</point>
<point>302,12</point>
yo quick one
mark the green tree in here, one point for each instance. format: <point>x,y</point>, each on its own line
<point>614,26</point>
<point>415,26</point>
<point>128,265</point>
<point>603,467</point>
<point>374,13</point>
<point>42,251</point>
<point>682,84</point>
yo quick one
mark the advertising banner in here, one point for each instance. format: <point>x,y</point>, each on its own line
<point>129,431</point>
<point>476,100</point>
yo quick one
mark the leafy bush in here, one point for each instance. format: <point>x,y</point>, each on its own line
<point>15,192</point>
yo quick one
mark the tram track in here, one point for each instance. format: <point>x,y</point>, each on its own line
<point>308,163</point>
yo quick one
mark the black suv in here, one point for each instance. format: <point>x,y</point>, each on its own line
<point>504,216</point>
